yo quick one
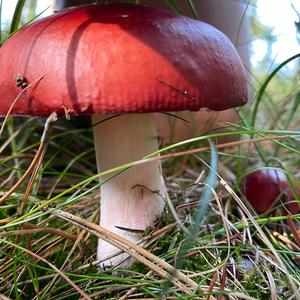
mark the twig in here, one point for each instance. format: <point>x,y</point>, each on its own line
<point>67,259</point>
<point>22,179</point>
<point>223,281</point>
<point>38,230</point>
<point>44,141</point>
<point>140,254</point>
<point>211,286</point>
<point>219,146</point>
<point>39,154</point>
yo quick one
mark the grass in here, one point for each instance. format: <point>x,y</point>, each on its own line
<point>47,248</point>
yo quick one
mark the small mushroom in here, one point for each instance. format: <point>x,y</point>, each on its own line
<point>129,61</point>
<point>265,188</point>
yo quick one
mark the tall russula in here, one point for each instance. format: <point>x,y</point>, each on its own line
<point>129,60</point>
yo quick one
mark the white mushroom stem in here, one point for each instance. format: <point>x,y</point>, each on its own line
<point>134,199</point>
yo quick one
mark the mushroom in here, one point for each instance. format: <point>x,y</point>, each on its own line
<point>263,189</point>
<point>228,17</point>
<point>122,62</point>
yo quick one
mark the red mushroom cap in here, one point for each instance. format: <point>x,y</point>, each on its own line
<point>119,58</point>
<point>263,187</point>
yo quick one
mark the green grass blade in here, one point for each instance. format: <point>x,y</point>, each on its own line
<point>207,192</point>
<point>192,8</point>
<point>12,33</point>
<point>202,208</point>
<point>265,85</point>
<point>17,16</point>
